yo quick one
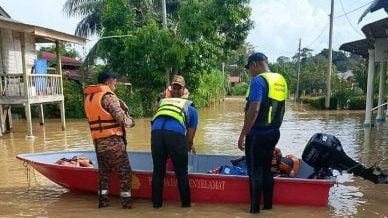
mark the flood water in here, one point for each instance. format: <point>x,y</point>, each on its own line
<point>25,193</point>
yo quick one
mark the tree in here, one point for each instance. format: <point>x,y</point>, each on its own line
<point>202,35</point>
<point>90,11</point>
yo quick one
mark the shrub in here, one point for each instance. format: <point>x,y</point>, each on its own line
<point>239,89</point>
<point>319,102</point>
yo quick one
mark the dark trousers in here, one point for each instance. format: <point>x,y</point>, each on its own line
<point>166,143</point>
<point>259,147</point>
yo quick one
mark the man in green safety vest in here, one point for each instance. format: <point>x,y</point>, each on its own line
<point>263,117</point>
<point>172,133</point>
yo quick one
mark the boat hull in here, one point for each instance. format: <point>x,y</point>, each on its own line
<point>205,188</point>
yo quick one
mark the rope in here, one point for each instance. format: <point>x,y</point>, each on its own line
<point>30,173</point>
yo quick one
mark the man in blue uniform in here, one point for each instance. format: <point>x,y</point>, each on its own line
<point>172,133</point>
<point>263,116</point>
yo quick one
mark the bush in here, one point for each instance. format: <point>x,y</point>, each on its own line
<point>211,88</point>
<point>319,102</point>
<point>343,96</point>
<point>239,89</point>
<point>358,102</point>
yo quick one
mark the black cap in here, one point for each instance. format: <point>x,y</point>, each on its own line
<point>104,76</point>
<point>256,57</point>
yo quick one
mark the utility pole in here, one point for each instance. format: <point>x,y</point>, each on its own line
<point>298,73</point>
<point>164,13</point>
<point>328,87</point>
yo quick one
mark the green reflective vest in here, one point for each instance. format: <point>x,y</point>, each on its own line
<point>272,111</point>
<point>174,107</point>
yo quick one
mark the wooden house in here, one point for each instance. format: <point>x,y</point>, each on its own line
<point>19,84</point>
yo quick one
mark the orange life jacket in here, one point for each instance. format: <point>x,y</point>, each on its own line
<point>287,165</point>
<point>168,93</point>
<point>101,122</point>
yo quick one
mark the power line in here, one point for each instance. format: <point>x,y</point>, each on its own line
<point>347,18</point>
<point>349,12</point>
<point>320,34</point>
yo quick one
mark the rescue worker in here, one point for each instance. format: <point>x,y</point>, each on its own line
<point>177,92</point>
<point>260,133</point>
<point>108,117</point>
<point>172,133</point>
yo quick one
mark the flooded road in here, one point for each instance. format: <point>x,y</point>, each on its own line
<point>25,193</point>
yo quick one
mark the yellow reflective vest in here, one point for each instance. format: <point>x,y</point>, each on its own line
<point>176,108</point>
<point>272,111</point>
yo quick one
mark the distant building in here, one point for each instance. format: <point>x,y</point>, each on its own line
<point>233,80</point>
<point>347,76</point>
<point>20,84</point>
<point>70,67</point>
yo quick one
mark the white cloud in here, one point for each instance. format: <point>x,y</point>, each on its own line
<point>280,23</point>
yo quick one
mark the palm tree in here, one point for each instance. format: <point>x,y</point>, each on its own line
<point>90,11</point>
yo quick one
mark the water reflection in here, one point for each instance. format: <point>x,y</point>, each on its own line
<point>219,128</point>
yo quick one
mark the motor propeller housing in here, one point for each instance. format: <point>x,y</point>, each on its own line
<point>324,151</point>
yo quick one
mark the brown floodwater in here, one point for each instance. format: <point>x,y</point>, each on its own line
<point>25,193</point>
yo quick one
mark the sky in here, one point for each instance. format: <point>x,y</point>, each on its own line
<point>278,24</point>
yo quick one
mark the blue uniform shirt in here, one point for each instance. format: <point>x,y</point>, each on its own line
<point>174,125</point>
<point>258,90</point>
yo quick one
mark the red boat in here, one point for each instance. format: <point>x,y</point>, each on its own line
<point>205,187</point>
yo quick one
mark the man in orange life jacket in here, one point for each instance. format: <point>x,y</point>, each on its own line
<point>108,117</point>
<point>177,89</point>
<point>260,133</point>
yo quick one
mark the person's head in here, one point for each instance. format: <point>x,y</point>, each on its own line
<point>108,78</point>
<point>257,63</point>
<point>177,87</point>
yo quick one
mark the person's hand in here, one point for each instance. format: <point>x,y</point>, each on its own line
<point>191,148</point>
<point>241,142</point>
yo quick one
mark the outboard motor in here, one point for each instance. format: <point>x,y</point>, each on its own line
<point>324,152</point>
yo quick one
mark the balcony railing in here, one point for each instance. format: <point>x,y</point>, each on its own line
<point>39,85</point>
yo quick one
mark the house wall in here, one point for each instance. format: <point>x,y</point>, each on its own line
<point>11,56</point>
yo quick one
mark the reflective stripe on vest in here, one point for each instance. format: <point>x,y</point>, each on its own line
<point>174,107</point>
<point>101,122</point>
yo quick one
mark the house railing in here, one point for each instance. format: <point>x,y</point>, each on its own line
<point>12,85</point>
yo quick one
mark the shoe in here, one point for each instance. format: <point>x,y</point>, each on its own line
<point>267,208</point>
<point>155,205</point>
<point>254,210</point>
<point>186,205</point>
<point>126,203</point>
<point>103,201</point>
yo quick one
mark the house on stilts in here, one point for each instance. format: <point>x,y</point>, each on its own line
<point>19,83</point>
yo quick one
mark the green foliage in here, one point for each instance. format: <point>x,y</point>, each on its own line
<point>319,102</point>
<point>132,100</point>
<point>74,101</point>
<point>360,71</point>
<point>239,89</point>
<point>210,88</point>
<point>343,95</point>
<point>208,33</point>
<point>65,49</point>
<point>357,102</point>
